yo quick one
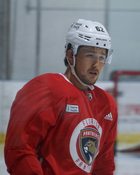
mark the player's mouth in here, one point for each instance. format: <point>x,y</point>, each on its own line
<point>93,72</point>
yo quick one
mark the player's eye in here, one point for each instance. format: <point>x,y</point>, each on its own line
<point>96,58</point>
<point>102,59</point>
<point>91,56</point>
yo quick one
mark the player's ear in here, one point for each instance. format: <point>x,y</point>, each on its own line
<point>70,56</point>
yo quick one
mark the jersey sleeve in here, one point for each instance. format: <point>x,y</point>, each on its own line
<point>32,115</point>
<point>104,162</point>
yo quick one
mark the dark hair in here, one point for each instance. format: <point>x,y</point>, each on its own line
<point>69,47</point>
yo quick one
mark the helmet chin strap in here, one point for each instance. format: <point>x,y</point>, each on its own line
<point>74,73</point>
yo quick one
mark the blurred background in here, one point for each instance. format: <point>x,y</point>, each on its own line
<point>32,40</point>
<point>32,34</point>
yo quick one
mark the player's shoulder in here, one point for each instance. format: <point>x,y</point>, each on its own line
<point>104,96</point>
<point>48,78</point>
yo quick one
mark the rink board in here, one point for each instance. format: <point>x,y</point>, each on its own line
<point>129,115</point>
<point>128,102</point>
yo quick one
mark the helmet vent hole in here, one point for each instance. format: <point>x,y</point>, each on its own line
<point>97,43</point>
<point>104,44</point>
<point>86,38</point>
<point>86,26</point>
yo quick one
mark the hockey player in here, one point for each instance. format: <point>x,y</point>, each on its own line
<point>62,124</point>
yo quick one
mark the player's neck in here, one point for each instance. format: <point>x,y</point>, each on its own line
<point>74,81</point>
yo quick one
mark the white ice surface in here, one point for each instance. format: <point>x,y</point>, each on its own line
<point>3,170</point>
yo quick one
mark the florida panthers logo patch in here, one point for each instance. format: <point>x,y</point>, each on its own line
<point>84,143</point>
<point>89,144</point>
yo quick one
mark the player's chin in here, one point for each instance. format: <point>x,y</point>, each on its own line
<point>93,81</point>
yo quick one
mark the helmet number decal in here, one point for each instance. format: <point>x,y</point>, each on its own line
<point>99,29</point>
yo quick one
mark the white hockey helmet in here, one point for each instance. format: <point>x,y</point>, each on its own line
<point>88,33</point>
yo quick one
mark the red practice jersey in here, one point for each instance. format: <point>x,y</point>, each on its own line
<point>57,129</point>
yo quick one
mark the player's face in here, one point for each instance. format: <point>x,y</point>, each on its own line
<point>89,63</point>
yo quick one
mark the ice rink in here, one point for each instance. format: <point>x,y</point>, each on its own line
<point>126,164</point>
